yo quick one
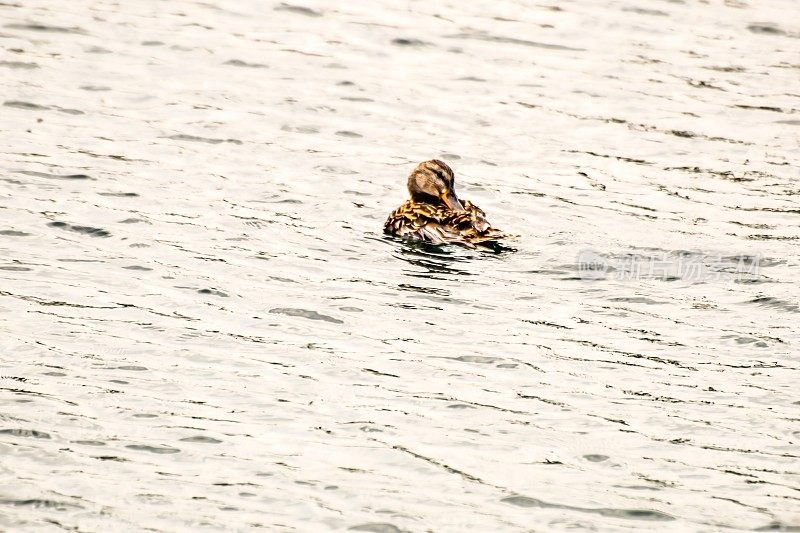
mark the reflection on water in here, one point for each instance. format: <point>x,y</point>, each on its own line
<point>204,327</point>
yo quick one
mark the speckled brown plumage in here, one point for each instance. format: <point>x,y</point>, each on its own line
<point>434,213</point>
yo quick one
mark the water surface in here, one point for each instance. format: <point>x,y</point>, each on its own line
<point>203,326</point>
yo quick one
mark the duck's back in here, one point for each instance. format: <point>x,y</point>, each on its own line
<point>440,225</point>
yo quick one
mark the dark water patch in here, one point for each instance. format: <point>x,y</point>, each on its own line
<point>754,226</point>
<point>30,154</point>
<point>431,258</point>
<point>779,527</point>
<point>152,43</point>
<point>771,210</point>
<point>195,138</point>
<point>775,303</point>
<point>724,174</point>
<point>350,134</point>
<point>480,359</point>
<point>86,230</point>
<point>201,439</point>
<point>763,108</point>
<point>282,280</point>
<point>643,11</point>
<point>28,433</point>
<point>137,267</point>
<point>379,373</point>
<point>483,36</point>
<point>19,104</point>
<point>162,450</point>
<point>38,503</point>
<point>634,205</point>
<point>95,88</point>
<point>758,343</point>
<point>637,487</point>
<point>765,237</point>
<point>58,303</point>
<point>412,306</point>
<point>424,290</point>
<point>617,157</point>
<point>651,397</point>
<point>301,52</point>
<point>46,28</point>
<point>305,313</point>
<point>119,194</point>
<point>400,41</point>
<point>74,260</point>
<point>539,398</point>
<point>213,292</point>
<point>240,63</point>
<point>753,281</point>
<point>378,527</point>
<point>766,28</point>
<point>726,69</point>
<point>56,176</point>
<point>545,323</point>
<point>15,268</point>
<point>90,442</point>
<point>631,514</point>
<point>329,169</point>
<point>300,10</point>
<point>107,156</point>
<point>595,458</point>
<point>790,122</point>
<point>97,50</point>
<point>701,84</point>
<point>299,129</point>
<point>133,368</point>
<point>14,233</point>
<point>19,65</point>
<point>635,300</point>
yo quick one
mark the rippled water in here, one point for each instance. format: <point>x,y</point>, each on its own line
<point>203,326</point>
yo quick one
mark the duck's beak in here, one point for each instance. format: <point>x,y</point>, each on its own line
<point>451,200</point>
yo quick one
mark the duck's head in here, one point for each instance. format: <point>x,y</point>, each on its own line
<point>433,182</point>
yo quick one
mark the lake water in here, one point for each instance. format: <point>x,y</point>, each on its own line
<point>202,326</point>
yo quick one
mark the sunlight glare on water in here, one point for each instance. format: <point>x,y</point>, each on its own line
<point>203,326</point>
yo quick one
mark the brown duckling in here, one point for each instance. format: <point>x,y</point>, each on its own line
<point>434,213</point>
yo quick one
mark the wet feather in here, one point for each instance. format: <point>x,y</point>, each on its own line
<point>425,219</point>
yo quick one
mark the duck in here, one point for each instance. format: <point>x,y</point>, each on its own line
<point>435,215</point>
